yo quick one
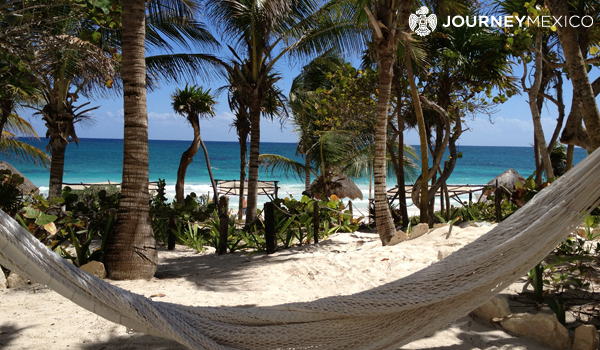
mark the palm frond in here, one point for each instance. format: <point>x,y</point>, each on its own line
<point>23,152</point>
<point>162,29</point>
<point>18,125</point>
<point>283,165</point>
<point>178,68</point>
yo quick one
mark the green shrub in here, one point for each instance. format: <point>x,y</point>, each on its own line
<point>10,195</point>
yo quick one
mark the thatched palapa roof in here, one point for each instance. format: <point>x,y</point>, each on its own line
<point>346,189</point>
<point>507,179</point>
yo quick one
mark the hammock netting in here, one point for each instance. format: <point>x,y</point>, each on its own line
<point>385,317</point>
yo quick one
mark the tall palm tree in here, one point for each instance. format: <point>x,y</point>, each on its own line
<point>131,251</point>
<point>192,103</point>
<point>263,32</point>
<point>77,68</point>
<point>384,18</point>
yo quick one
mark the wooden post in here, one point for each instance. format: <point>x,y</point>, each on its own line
<point>270,237</point>
<point>470,197</point>
<point>223,233</point>
<point>171,225</point>
<point>223,205</point>
<point>351,210</point>
<point>442,200</point>
<point>316,222</point>
<point>498,202</point>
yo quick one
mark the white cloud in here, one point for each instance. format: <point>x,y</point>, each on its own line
<point>116,115</point>
<point>162,116</point>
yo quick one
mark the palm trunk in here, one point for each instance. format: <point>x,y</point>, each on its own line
<point>210,174</point>
<point>253,163</point>
<point>306,171</point>
<point>57,167</point>
<point>578,73</point>
<point>383,216</point>
<point>243,155</point>
<point>131,250</point>
<point>7,107</point>
<point>187,159</point>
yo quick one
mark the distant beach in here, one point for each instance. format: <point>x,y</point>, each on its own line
<point>97,160</point>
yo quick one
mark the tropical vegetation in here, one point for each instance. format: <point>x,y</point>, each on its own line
<point>367,80</point>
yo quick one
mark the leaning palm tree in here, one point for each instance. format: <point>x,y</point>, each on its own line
<point>192,103</point>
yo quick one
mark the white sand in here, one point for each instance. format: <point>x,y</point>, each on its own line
<point>35,317</point>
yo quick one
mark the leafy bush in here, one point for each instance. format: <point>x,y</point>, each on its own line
<point>10,194</point>
<point>195,226</point>
<point>56,227</point>
<point>172,217</point>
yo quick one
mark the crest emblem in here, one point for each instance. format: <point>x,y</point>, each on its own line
<point>422,24</point>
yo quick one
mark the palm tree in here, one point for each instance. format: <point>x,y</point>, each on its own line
<point>131,251</point>
<point>384,18</point>
<point>75,67</point>
<point>192,103</point>
<point>17,89</point>
<point>263,33</point>
<point>336,153</point>
<point>313,76</point>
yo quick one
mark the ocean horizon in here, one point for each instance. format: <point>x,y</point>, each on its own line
<point>98,160</point>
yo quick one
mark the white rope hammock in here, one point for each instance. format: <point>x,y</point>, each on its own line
<point>385,317</point>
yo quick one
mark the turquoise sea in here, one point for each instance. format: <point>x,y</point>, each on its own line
<point>96,160</point>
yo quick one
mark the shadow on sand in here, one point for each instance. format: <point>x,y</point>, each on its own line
<point>8,333</point>
<point>226,272</point>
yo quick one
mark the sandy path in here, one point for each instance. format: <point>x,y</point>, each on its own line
<point>35,317</point>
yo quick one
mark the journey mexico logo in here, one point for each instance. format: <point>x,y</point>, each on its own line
<point>423,24</point>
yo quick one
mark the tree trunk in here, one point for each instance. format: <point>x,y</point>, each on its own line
<point>383,216</point>
<point>424,215</point>
<point>400,176</point>
<point>561,113</point>
<point>57,167</point>
<point>212,178</point>
<point>243,154</point>
<point>570,153</point>
<point>131,250</point>
<point>578,73</point>
<point>255,106</point>
<point>535,112</point>
<point>187,159</point>
<point>7,107</point>
<point>306,171</point>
